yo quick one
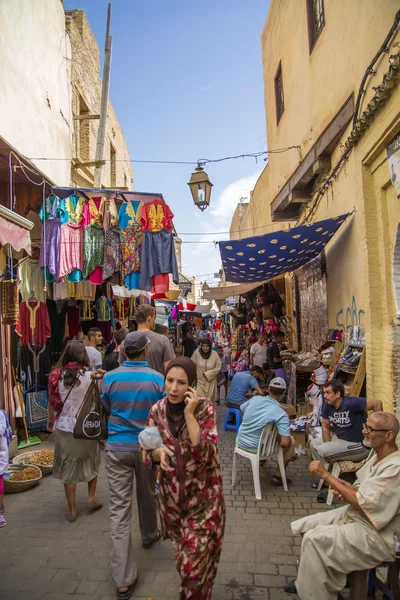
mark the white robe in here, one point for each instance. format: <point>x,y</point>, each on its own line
<point>343,540</point>
<point>207,373</point>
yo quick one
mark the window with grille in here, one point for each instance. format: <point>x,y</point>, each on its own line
<point>279,97</point>
<point>316,20</point>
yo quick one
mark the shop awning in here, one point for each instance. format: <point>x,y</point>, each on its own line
<point>263,257</point>
<point>226,291</point>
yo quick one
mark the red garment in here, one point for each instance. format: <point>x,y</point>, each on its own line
<point>74,325</point>
<point>155,216</point>
<point>160,284</point>
<point>33,325</point>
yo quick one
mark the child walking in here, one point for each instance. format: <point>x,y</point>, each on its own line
<point>5,439</point>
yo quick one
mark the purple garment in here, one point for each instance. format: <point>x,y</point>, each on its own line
<point>280,373</point>
<point>50,246</point>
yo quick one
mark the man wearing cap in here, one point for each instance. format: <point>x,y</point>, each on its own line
<point>258,412</point>
<point>129,393</point>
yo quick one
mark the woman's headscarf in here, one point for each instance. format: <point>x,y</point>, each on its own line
<point>175,412</point>
<point>206,355</point>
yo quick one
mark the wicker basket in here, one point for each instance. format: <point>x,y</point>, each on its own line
<point>24,459</point>
<point>12,487</point>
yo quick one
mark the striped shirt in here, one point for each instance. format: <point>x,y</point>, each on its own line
<point>129,393</point>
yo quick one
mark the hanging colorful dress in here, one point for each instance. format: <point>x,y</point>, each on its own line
<point>93,240</point>
<point>112,243</point>
<point>191,501</point>
<point>157,248</point>
<point>131,242</point>
<point>71,238</point>
<point>50,239</point>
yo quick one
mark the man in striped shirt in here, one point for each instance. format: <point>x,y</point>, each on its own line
<point>129,393</point>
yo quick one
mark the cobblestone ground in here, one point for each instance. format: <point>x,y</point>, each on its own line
<point>43,557</point>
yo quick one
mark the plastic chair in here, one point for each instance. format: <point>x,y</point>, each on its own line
<point>238,419</point>
<point>342,466</point>
<point>267,447</point>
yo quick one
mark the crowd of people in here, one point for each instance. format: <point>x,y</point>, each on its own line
<point>161,421</point>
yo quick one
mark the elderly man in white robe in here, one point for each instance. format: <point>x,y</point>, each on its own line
<point>357,536</point>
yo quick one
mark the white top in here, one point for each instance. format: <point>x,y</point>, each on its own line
<point>3,445</point>
<point>94,358</point>
<point>260,354</point>
<point>67,419</point>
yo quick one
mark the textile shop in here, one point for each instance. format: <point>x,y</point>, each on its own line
<point>100,254</point>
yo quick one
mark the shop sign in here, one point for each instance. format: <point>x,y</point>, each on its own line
<point>232,300</point>
<point>393,155</point>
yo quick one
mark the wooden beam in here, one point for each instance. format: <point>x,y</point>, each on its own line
<point>93,163</point>
<point>84,117</point>
<point>321,165</point>
<point>299,197</point>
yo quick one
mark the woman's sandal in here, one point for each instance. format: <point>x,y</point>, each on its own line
<point>95,505</point>
<point>276,480</point>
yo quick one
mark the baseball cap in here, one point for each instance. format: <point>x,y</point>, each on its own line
<point>135,342</point>
<point>278,382</point>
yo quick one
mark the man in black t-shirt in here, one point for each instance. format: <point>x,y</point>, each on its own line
<point>274,355</point>
<point>346,415</point>
<point>111,360</point>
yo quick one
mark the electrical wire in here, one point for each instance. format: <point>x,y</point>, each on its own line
<point>202,161</point>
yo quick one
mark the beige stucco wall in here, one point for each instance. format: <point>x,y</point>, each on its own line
<point>360,257</point>
<point>35,107</point>
<point>86,86</point>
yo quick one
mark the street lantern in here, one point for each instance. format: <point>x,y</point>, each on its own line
<point>200,186</point>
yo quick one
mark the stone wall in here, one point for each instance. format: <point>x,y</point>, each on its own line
<point>86,97</point>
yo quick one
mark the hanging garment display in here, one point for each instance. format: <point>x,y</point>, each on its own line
<point>60,291</point>
<point>85,290</point>
<point>158,256</point>
<point>120,309</point>
<point>9,301</point>
<point>33,325</point>
<point>73,322</point>
<point>57,315</point>
<point>32,280</point>
<point>92,223</point>
<point>157,215</point>
<point>131,242</point>
<point>71,212</point>
<point>50,238</point>
<point>105,310</point>
<point>71,251</point>
<point>112,242</point>
<point>86,311</point>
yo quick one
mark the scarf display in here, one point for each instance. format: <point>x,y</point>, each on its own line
<point>53,385</point>
<point>176,412</point>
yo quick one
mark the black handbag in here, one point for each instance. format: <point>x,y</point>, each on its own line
<point>90,420</point>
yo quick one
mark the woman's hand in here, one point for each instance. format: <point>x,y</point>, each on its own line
<point>161,455</point>
<point>191,401</point>
<point>99,374</point>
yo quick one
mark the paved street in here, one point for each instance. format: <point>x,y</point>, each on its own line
<point>43,557</point>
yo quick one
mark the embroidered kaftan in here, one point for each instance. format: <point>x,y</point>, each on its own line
<point>71,212</point>
<point>93,239</point>
<point>191,499</point>
<point>50,237</point>
<point>112,242</point>
<point>131,242</point>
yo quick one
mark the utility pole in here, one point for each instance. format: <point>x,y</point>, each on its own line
<point>101,134</point>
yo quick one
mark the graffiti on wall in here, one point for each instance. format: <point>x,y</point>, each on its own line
<point>349,317</point>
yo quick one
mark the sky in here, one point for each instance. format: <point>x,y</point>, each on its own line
<point>187,84</point>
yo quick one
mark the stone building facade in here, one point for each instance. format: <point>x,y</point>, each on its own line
<point>85,99</point>
<point>338,112</point>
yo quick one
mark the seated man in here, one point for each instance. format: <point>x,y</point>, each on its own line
<point>241,384</point>
<point>266,375</point>
<point>357,536</point>
<point>258,412</point>
<point>346,415</point>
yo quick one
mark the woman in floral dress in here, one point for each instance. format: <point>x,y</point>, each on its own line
<point>191,499</point>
